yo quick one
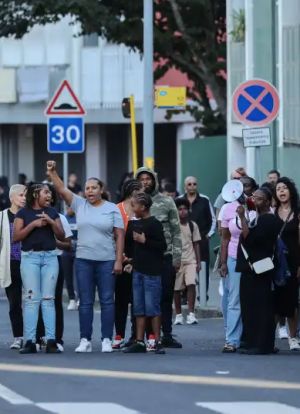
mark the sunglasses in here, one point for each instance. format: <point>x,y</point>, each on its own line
<point>189,184</point>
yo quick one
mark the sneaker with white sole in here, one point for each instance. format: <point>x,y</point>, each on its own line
<point>179,319</point>
<point>60,347</point>
<point>84,346</point>
<point>282,332</point>
<point>17,344</point>
<point>294,344</point>
<point>150,344</point>
<point>118,343</point>
<point>107,345</point>
<point>191,319</point>
<point>72,306</point>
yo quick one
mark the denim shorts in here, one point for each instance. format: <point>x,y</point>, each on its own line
<point>146,294</point>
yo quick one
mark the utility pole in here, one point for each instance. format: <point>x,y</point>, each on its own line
<point>148,85</point>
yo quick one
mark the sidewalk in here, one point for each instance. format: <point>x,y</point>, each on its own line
<point>213,305</point>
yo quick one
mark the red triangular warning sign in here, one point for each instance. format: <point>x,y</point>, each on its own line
<point>64,102</point>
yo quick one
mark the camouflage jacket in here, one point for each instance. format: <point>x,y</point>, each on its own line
<point>164,209</point>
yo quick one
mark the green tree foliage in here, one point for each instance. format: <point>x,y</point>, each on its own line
<point>189,35</point>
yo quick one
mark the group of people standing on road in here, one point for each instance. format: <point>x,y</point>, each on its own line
<point>134,253</point>
<point>145,251</point>
<point>260,265</point>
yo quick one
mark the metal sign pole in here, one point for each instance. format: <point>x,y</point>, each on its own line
<point>65,173</point>
<point>148,85</point>
<point>133,135</point>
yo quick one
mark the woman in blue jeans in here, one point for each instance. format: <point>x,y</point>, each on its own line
<point>99,255</point>
<point>38,226</point>
<point>231,231</point>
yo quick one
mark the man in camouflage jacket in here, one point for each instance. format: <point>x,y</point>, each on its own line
<point>164,209</point>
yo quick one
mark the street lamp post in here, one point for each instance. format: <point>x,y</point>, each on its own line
<point>148,85</point>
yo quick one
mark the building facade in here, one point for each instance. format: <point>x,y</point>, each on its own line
<point>102,75</point>
<point>264,42</point>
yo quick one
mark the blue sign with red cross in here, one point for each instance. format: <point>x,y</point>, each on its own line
<point>256,102</point>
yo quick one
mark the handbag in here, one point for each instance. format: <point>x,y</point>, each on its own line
<point>260,266</point>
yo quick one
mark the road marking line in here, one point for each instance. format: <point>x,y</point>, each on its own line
<point>249,407</point>
<point>178,379</point>
<point>91,408</point>
<point>222,372</point>
<point>12,397</point>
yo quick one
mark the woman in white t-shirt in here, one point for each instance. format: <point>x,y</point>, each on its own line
<point>99,255</point>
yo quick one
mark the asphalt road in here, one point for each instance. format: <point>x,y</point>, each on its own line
<point>198,379</point>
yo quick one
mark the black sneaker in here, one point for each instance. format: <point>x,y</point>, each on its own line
<point>159,348</point>
<point>136,348</point>
<point>29,348</point>
<point>130,342</point>
<point>52,348</point>
<point>170,342</point>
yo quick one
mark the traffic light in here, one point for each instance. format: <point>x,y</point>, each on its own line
<point>126,107</point>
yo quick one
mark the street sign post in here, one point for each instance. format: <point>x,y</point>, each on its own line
<point>65,135</point>
<point>256,103</point>
<point>256,137</point>
<point>65,124</point>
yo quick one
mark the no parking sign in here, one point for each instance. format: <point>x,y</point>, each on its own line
<point>256,102</point>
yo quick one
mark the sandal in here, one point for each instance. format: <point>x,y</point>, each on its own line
<point>229,349</point>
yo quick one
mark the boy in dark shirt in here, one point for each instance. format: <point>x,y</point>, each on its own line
<point>145,244</point>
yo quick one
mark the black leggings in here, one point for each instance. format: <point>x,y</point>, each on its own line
<point>123,297</point>
<point>14,296</point>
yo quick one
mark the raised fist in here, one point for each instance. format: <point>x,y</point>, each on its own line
<point>51,165</point>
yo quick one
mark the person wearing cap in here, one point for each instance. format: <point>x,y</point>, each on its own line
<point>164,209</point>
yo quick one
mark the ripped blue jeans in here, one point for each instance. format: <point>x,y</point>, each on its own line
<point>39,271</point>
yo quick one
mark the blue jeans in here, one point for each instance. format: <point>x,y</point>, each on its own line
<point>91,274</point>
<point>39,271</point>
<point>146,294</point>
<point>231,304</point>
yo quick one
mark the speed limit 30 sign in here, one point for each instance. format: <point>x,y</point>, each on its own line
<point>66,134</point>
<point>65,113</point>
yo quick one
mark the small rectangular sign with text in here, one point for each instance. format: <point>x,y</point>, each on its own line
<point>256,137</point>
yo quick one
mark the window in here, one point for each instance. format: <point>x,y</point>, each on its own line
<point>90,40</point>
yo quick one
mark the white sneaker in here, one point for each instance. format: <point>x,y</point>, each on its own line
<point>191,319</point>
<point>106,345</point>
<point>60,347</point>
<point>72,305</point>
<point>179,319</point>
<point>282,332</point>
<point>294,344</point>
<point>84,346</point>
<point>17,344</point>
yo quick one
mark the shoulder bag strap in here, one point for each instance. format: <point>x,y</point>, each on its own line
<point>246,255</point>
<point>1,230</point>
<point>284,224</point>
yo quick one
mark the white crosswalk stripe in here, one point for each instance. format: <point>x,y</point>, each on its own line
<point>90,408</point>
<point>12,397</point>
<point>249,407</point>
